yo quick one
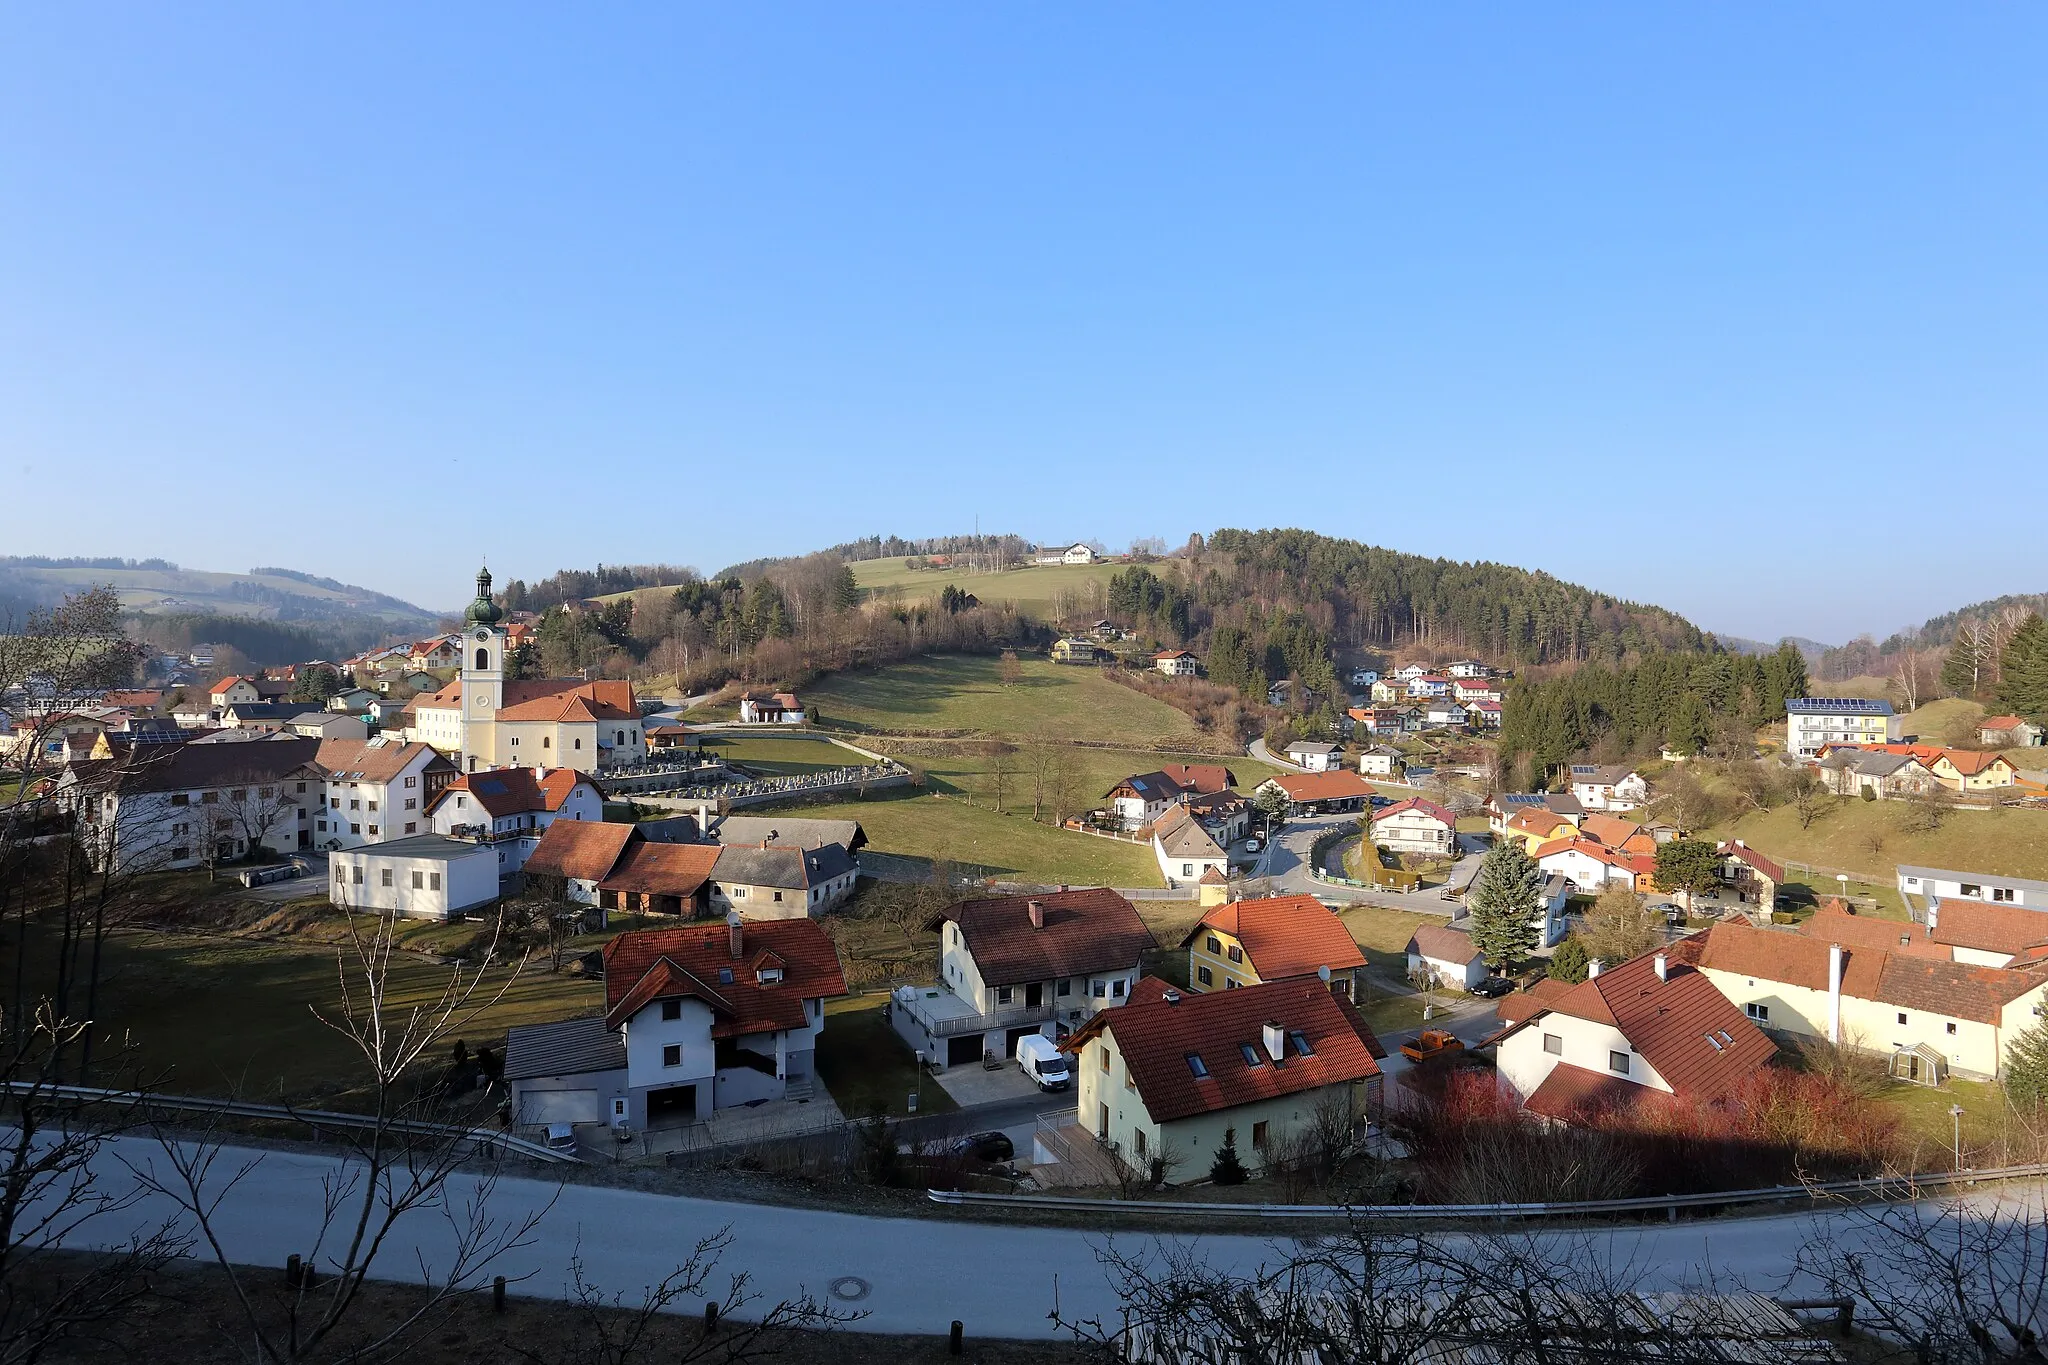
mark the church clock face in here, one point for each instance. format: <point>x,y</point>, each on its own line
<point>482,636</point>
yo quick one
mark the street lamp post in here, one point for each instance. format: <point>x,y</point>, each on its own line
<point>1955,1113</point>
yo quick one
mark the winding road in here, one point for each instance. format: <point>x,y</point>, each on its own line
<point>910,1275</point>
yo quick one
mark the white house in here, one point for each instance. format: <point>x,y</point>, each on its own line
<point>1142,798</point>
<point>1653,1030</point>
<point>160,807</point>
<point>426,876</point>
<point>1426,685</point>
<point>375,790</point>
<point>1010,966</point>
<point>1611,786</point>
<point>1443,711</point>
<point>1176,663</point>
<point>1473,689</point>
<point>1079,554</point>
<point>697,1019</point>
<point>1468,668</point>
<point>1934,885</point>
<point>1187,852</point>
<point>1364,677</point>
<point>1590,865</point>
<point>1448,955</point>
<point>1315,756</point>
<point>771,708</point>
<point>1416,826</point>
<point>511,808</point>
<point>1381,761</point>
<point>1813,722</point>
<point>327,725</point>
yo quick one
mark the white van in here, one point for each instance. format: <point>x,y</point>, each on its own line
<point>1040,1059</point>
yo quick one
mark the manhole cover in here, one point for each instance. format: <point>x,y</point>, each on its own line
<point>851,1288</point>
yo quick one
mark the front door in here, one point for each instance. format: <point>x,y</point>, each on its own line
<point>1102,1122</point>
<point>1034,995</point>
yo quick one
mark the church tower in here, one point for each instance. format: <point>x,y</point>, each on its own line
<point>483,677</point>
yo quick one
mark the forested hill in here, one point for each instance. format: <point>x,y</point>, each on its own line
<point>1371,597</point>
<point>1865,656</point>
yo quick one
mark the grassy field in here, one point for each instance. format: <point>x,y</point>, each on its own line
<point>1865,838</point>
<point>779,755</point>
<point>1035,590</point>
<point>964,692</point>
<point>236,1015</point>
<point>865,1065</point>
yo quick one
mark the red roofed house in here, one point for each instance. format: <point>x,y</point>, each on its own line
<point>1167,1074</point>
<point>1754,878</point>
<point>1971,770</point>
<point>771,708</point>
<point>1274,938</point>
<point>512,808</point>
<point>1895,1002</point>
<point>1318,793</point>
<point>1416,826</point>
<point>1011,966</point>
<point>1655,1026</point>
<point>697,1019</point>
<point>229,691</point>
<point>582,853</point>
<point>1176,663</point>
<point>2004,732</point>
<point>1589,865</point>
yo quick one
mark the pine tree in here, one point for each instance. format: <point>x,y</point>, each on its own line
<point>1570,961</point>
<point>1227,1169</point>
<point>2026,1067</point>
<point>1687,865</point>
<point>2023,670</point>
<point>1504,901</point>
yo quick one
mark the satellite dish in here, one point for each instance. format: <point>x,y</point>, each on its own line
<point>1323,974</point>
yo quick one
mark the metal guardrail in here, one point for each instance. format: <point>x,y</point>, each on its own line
<point>312,1118</point>
<point>1897,1186</point>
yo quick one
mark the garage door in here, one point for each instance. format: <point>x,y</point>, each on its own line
<point>963,1050</point>
<point>1011,1037</point>
<point>560,1106</point>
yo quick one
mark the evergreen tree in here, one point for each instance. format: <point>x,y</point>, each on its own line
<point>1570,960</point>
<point>1504,901</point>
<point>1690,866</point>
<point>2026,1067</point>
<point>845,589</point>
<point>2023,670</point>
<point>1227,1169</point>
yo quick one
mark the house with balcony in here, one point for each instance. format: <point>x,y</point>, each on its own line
<point>1272,938</point>
<point>1012,966</point>
<point>697,1019</point>
<point>1608,786</point>
<point>1176,663</point>
<point>1811,723</point>
<point>511,808</point>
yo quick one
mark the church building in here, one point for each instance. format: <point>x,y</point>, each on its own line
<point>489,722</point>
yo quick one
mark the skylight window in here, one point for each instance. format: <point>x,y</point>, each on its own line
<point>1251,1055</point>
<point>1198,1066</point>
<point>725,976</point>
<point>1300,1041</point>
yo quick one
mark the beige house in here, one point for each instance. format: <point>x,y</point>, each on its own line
<point>1168,1075</point>
<point>781,882</point>
<point>1885,776</point>
<point>1187,852</point>
<point>1886,1001</point>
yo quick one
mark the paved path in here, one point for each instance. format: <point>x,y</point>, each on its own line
<point>1257,749</point>
<point>997,1279</point>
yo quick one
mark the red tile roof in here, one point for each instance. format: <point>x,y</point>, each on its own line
<point>501,791</point>
<point>1699,1042</point>
<point>657,964</point>
<point>1744,853</point>
<point>1156,1038</point>
<point>1832,923</point>
<point>1992,928</point>
<point>1513,1009</point>
<point>660,869</point>
<point>602,699</point>
<point>560,783</point>
<point>1203,778</point>
<point>2000,723</point>
<point>1338,785</point>
<point>1970,762</point>
<point>1285,936</point>
<point>1573,1094</point>
<point>1417,803</point>
<point>1094,930</point>
<point>585,850</point>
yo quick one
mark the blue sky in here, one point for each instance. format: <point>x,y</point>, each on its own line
<point>1739,309</point>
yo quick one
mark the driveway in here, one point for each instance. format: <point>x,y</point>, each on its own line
<point>910,1276</point>
<point>1257,749</point>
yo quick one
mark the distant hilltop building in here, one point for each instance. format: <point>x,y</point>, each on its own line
<point>1814,722</point>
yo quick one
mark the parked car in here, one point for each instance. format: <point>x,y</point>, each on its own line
<point>1494,987</point>
<point>989,1146</point>
<point>1252,845</point>
<point>561,1138</point>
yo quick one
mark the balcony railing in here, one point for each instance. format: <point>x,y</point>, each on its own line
<point>947,1026</point>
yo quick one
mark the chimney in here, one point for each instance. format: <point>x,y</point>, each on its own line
<point>1276,1041</point>
<point>1036,909</point>
<point>1171,997</point>
<point>1592,969</point>
<point>735,937</point>
<point>1061,888</point>
<point>1835,993</point>
<point>764,843</point>
<point>1740,844</point>
<point>1662,967</point>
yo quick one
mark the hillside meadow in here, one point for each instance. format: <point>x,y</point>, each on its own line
<point>1866,838</point>
<point>1036,590</point>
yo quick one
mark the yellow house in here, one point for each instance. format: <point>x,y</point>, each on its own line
<point>1886,1001</point>
<point>1535,826</point>
<point>1966,770</point>
<point>1277,938</point>
<point>1166,1076</point>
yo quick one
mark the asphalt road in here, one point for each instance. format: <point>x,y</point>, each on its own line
<point>919,1274</point>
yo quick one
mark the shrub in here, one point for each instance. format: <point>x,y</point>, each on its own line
<point>1569,961</point>
<point>1228,1168</point>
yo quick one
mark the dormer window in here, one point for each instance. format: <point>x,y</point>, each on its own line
<point>768,976</point>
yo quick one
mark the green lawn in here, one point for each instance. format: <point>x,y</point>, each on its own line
<point>223,1015</point>
<point>1037,591</point>
<point>865,1066</point>
<point>1008,847</point>
<point>1383,935</point>
<point>780,755</point>
<point>1864,838</point>
<point>965,693</point>
<point>1924,1110</point>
